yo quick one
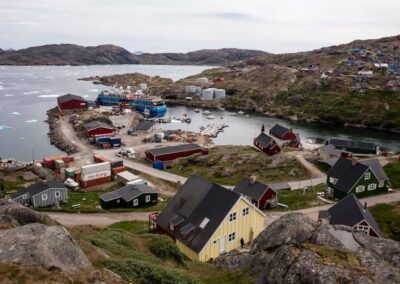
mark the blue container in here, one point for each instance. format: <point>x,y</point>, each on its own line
<point>159,165</point>
<point>102,139</point>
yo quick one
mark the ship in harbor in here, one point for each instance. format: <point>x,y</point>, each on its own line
<point>148,105</point>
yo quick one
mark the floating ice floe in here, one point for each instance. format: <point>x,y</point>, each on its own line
<point>8,95</point>
<point>3,127</point>
<point>22,138</point>
<point>85,96</point>
<point>15,113</point>
<point>49,96</point>
<point>1,87</point>
<point>31,92</point>
<point>30,121</point>
<point>93,90</point>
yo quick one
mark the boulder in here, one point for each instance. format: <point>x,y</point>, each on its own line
<point>16,213</point>
<point>51,247</point>
<point>292,228</point>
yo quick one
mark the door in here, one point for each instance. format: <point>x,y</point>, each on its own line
<point>222,245</point>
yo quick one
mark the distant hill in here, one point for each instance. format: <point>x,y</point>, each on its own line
<point>71,54</point>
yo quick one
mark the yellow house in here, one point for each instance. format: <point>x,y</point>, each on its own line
<point>207,220</point>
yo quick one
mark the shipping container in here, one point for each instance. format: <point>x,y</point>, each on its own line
<point>117,170</point>
<point>100,159</point>
<point>117,164</point>
<point>59,164</point>
<point>88,169</point>
<point>94,182</point>
<point>96,175</point>
<point>70,172</point>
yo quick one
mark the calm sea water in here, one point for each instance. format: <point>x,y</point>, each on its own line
<point>27,92</point>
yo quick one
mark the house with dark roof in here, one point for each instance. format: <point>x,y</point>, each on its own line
<point>129,196</point>
<point>207,220</point>
<point>96,128</point>
<point>266,143</point>
<point>285,136</point>
<point>261,195</point>
<point>71,103</point>
<point>350,212</point>
<point>170,153</point>
<point>361,178</point>
<point>42,194</point>
<point>355,147</point>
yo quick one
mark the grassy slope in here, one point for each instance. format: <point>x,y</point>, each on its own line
<point>388,218</point>
<point>392,170</point>
<point>227,165</point>
<point>296,199</point>
<point>129,250</point>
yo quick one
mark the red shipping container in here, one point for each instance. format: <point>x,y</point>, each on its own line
<point>117,170</point>
<point>95,182</point>
<point>100,159</point>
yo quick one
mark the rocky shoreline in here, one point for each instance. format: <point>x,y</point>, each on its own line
<point>55,135</point>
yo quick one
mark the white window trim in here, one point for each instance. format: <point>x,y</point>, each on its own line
<point>367,176</point>
<point>360,188</point>
<point>43,197</point>
<point>148,198</point>
<point>381,183</point>
<point>371,186</point>
<point>57,193</point>
<point>135,202</point>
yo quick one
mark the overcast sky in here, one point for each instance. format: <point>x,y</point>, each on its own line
<point>185,25</point>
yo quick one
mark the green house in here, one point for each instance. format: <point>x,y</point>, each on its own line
<point>362,178</point>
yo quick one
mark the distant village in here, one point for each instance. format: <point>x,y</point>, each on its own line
<point>204,218</point>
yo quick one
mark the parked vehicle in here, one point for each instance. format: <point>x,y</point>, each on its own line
<point>70,183</point>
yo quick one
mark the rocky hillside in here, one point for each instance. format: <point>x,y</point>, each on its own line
<point>295,249</point>
<point>70,54</point>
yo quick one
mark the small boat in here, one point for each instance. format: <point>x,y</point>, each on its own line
<point>206,112</point>
<point>247,115</point>
<point>197,110</point>
<point>146,112</point>
<point>210,117</point>
<point>240,112</point>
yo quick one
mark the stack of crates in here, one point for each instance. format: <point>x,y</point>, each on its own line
<point>59,166</point>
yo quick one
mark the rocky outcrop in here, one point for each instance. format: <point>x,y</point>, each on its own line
<point>31,238</point>
<point>51,247</point>
<point>295,249</point>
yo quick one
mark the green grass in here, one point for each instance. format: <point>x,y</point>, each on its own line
<point>297,199</point>
<point>140,257</point>
<point>388,218</point>
<point>136,227</point>
<point>392,170</point>
<point>227,165</point>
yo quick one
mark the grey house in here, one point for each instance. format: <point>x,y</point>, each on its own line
<point>42,194</point>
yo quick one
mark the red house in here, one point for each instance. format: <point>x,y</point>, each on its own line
<point>97,128</point>
<point>286,136</point>
<point>261,195</point>
<point>71,103</point>
<point>266,143</point>
<point>174,152</point>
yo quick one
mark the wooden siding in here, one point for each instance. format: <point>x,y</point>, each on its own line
<point>122,204</point>
<point>247,227</point>
<point>37,200</point>
<point>191,254</point>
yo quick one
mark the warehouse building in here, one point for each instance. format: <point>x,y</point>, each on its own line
<point>96,128</point>
<point>174,152</point>
<point>71,103</point>
<point>129,196</point>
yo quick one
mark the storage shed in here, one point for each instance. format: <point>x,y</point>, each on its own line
<point>126,177</point>
<point>129,196</point>
<point>173,152</point>
<point>98,128</point>
<point>71,103</point>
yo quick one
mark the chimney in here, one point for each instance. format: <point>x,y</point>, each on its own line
<point>365,205</point>
<point>179,195</point>
<point>252,179</point>
<point>263,129</point>
<point>353,162</point>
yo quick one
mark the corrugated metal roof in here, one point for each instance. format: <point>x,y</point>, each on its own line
<point>174,149</point>
<point>69,97</point>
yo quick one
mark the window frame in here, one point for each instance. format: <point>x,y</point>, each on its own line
<point>360,188</point>
<point>135,202</point>
<point>367,176</point>
<point>371,186</point>
<point>232,217</point>
<point>381,183</point>
<point>245,211</point>
<point>44,195</point>
<point>57,194</point>
<point>232,237</point>
<point>147,198</point>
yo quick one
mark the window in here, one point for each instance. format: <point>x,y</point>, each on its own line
<point>333,180</point>
<point>135,202</point>
<point>381,183</point>
<point>367,176</point>
<point>371,186</point>
<point>118,201</point>
<point>246,211</point>
<point>232,217</point>
<point>360,188</point>
<point>362,228</point>
<point>57,194</point>
<point>147,198</point>
<point>25,196</point>
<point>215,242</point>
<point>44,197</point>
<point>231,236</point>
